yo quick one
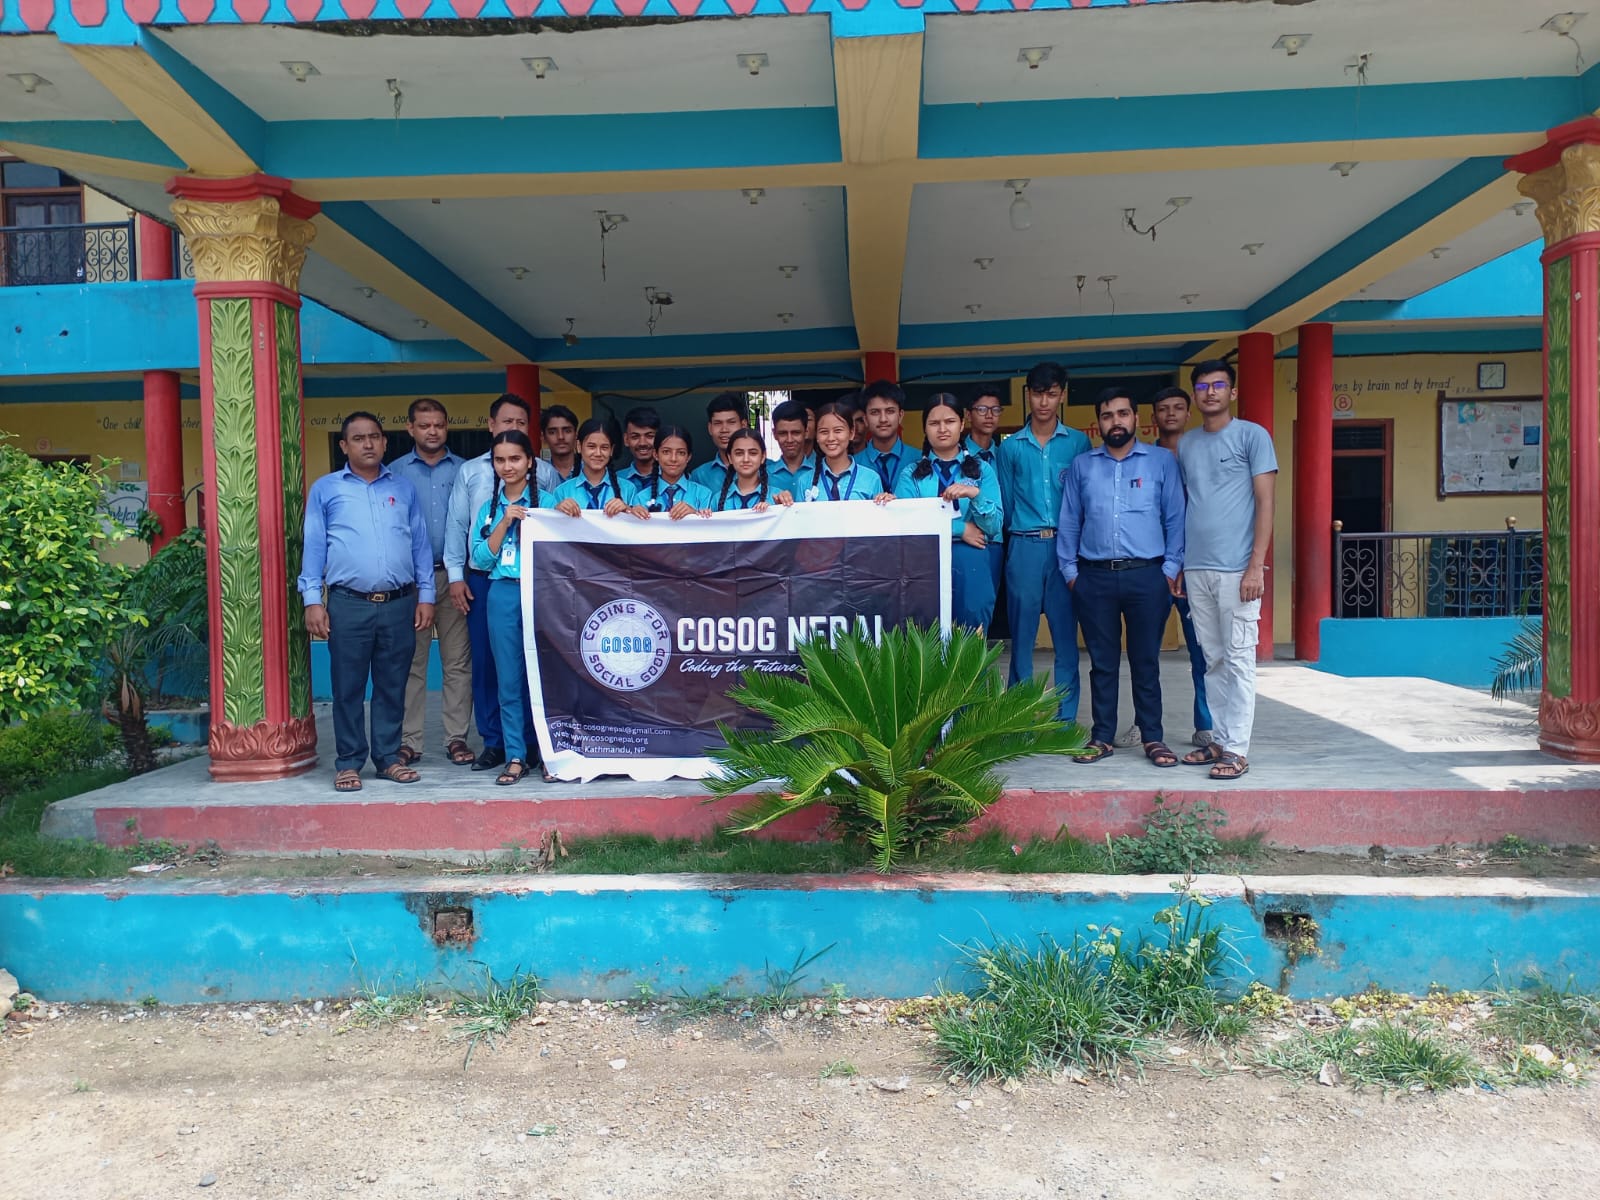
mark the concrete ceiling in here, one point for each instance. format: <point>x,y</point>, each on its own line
<point>72,94</point>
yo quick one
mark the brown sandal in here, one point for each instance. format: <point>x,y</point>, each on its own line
<point>460,753</point>
<point>1094,752</point>
<point>1161,754</point>
<point>347,781</point>
<point>1230,766</point>
<point>407,756</point>
<point>398,772</point>
<point>1203,757</point>
<point>511,773</point>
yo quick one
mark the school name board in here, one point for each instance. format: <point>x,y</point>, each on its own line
<point>635,631</point>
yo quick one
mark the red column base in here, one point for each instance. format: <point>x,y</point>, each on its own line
<point>263,751</point>
<point>1569,728</point>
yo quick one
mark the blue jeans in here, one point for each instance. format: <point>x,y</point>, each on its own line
<point>377,640</point>
<point>511,667</point>
<point>971,586</point>
<point>485,690</point>
<point>1103,600</point>
<point>1034,587</point>
<point>1197,663</point>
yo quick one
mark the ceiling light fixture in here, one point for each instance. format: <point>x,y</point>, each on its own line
<point>421,323</point>
<point>1562,23</point>
<point>569,338</point>
<point>518,273</point>
<point>973,308</point>
<point>31,82</point>
<point>1189,297</point>
<point>1034,55</point>
<point>753,61</point>
<point>657,300</point>
<point>1174,203</point>
<point>1021,207</point>
<point>301,71</point>
<point>609,221</point>
<point>785,318</point>
<point>788,270</point>
<point>754,195</point>
<point>1250,248</point>
<point>540,66</point>
<point>984,264</point>
<point>368,292</point>
<point>1291,43</point>
<point>1439,251</point>
<point>1522,207</point>
<point>1344,168</point>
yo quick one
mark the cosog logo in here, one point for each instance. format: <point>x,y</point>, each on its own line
<point>626,645</point>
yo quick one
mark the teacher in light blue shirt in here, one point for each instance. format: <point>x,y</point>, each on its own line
<point>1120,549</point>
<point>366,543</point>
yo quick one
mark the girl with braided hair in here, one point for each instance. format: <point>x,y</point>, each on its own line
<point>970,486</point>
<point>669,490</point>
<point>747,486</point>
<point>594,487</point>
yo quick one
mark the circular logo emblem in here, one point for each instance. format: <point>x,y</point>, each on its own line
<point>626,645</point>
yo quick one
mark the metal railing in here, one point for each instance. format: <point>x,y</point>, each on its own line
<point>36,255</point>
<point>1439,573</point>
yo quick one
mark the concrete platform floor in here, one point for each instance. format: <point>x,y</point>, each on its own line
<point>1336,762</point>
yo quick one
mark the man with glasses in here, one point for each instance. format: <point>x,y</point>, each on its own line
<point>1229,471</point>
<point>983,442</point>
<point>1032,465</point>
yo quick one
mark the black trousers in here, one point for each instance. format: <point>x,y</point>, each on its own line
<point>376,641</point>
<point>1104,601</point>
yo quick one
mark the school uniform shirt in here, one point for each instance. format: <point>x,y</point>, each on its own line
<point>711,475</point>
<point>990,456</point>
<point>668,494</point>
<point>858,482</point>
<point>781,479</point>
<point>475,485</point>
<point>735,501</point>
<point>371,537</point>
<point>631,478</point>
<point>983,510</point>
<point>1032,477</point>
<point>560,475</point>
<point>888,463</point>
<point>591,497</point>
<point>1128,507</point>
<point>508,563</point>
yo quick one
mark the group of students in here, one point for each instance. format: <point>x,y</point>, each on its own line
<point>1006,497</point>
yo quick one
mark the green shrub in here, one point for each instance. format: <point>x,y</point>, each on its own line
<point>34,751</point>
<point>1178,839</point>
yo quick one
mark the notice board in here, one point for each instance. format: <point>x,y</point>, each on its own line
<point>1491,447</point>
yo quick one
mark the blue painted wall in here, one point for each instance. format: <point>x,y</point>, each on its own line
<point>593,936</point>
<point>1458,650</point>
<point>322,676</point>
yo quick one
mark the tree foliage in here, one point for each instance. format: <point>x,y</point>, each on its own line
<point>901,738</point>
<point>59,601</point>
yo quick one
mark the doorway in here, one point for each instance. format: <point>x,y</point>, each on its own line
<point>1362,500</point>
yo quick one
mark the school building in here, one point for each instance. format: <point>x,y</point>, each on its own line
<point>226,223</point>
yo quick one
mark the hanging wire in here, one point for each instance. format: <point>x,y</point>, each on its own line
<point>1127,217</point>
<point>399,96</point>
<point>1359,69</point>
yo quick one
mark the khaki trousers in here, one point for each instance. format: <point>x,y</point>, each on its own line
<point>455,657</point>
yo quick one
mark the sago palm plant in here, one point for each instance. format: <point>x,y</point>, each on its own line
<point>901,738</point>
<point>1520,667</point>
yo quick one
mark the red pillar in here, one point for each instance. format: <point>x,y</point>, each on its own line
<point>1257,363</point>
<point>155,249</point>
<point>163,411</point>
<point>1313,491</point>
<point>880,364</point>
<point>522,381</point>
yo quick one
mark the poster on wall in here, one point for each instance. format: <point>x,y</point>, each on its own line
<point>635,631</point>
<point>1491,447</point>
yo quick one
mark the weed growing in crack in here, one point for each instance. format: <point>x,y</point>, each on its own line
<point>489,1013</point>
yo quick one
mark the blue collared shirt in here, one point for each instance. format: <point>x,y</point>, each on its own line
<point>433,482</point>
<point>1032,476</point>
<point>983,510</point>
<point>508,563</point>
<point>887,463</point>
<point>990,456</point>
<point>857,482</point>
<point>366,536</point>
<point>632,480</point>
<point>591,497</point>
<point>781,479</point>
<point>1128,507</point>
<point>666,495</point>
<point>711,475</point>
<point>475,483</point>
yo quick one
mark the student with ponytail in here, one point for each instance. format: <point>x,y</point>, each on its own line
<point>594,487</point>
<point>496,547</point>
<point>669,490</point>
<point>748,487</point>
<point>969,484</point>
<point>837,476</point>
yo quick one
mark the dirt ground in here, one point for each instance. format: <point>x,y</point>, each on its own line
<point>597,1102</point>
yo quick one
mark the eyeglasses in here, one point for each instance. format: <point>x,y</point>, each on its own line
<point>1216,385</point>
<point>988,410</point>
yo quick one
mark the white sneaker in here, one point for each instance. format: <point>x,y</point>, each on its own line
<point>1202,737</point>
<point>1128,737</point>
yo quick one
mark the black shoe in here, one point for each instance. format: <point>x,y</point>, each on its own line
<point>492,757</point>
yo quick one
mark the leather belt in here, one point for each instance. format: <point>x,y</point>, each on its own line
<point>1046,534</point>
<point>396,593</point>
<point>1117,564</point>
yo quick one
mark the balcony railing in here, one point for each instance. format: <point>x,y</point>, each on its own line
<point>35,255</point>
<point>1450,573</point>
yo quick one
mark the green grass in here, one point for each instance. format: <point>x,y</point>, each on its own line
<point>30,854</point>
<point>1563,1019</point>
<point>1382,1055</point>
<point>488,1012</point>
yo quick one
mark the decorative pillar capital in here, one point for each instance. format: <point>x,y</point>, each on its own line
<point>248,230</point>
<point>1562,177</point>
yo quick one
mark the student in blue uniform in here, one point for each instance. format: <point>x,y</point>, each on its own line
<point>496,547</point>
<point>794,431</point>
<point>724,414</point>
<point>639,437</point>
<point>669,490</point>
<point>983,442</point>
<point>947,471</point>
<point>558,425</point>
<point>836,475</point>
<point>1033,466</point>
<point>747,487</point>
<point>884,404</point>
<point>595,487</point>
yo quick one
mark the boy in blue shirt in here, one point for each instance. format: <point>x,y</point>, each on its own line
<point>884,404</point>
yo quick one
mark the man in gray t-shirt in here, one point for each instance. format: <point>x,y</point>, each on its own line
<point>1229,469</point>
